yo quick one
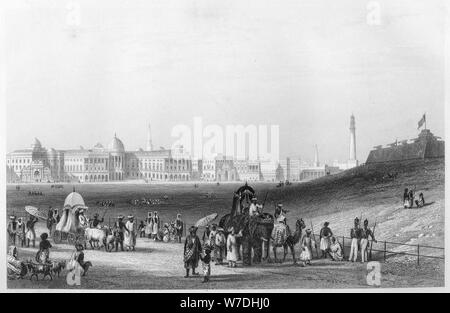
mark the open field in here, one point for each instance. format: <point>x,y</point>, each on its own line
<point>365,191</point>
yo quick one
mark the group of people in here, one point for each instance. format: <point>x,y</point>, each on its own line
<point>330,246</point>
<point>105,203</point>
<point>224,247</point>
<point>360,240</point>
<point>125,233</point>
<point>213,240</point>
<point>35,193</point>
<point>22,231</point>
<point>17,268</point>
<point>145,201</point>
<point>409,199</point>
<point>170,232</point>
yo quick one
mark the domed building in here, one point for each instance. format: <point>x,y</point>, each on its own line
<point>98,164</point>
<point>117,159</point>
<point>35,164</point>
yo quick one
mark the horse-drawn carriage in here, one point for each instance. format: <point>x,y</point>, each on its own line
<point>72,225</point>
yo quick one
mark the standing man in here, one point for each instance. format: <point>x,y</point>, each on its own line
<point>156,221</point>
<point>206,234</point>
<point>406,198</point>
<point>21,231</point>
<point>220,246</point>
<point>365,233</point>
<point>120,228</point>
<point>12,230</point>
<point>179,225</point>
<point>325,235</point>
<point>130,234</point>
<point>192,250</point>
<point>355,235</point>
<point>31,233</point>
<point>50,220</point>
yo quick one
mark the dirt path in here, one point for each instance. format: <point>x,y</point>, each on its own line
<point>156,265</point>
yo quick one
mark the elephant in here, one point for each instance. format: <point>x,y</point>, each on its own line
<point>254,231</point>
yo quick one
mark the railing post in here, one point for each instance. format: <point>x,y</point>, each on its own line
<point>418,254</point>
<point>385,251</point>
<point>343,247</point>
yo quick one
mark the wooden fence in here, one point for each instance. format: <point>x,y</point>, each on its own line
<point>386,248</point>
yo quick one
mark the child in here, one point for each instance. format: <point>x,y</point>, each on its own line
<point>43,255</point>
<point>206,263</point>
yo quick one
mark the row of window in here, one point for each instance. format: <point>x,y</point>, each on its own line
<point>18,161</point>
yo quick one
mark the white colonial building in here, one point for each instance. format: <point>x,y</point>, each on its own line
<point>99,164</point>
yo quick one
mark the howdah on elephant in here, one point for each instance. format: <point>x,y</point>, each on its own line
<point>254,230</point>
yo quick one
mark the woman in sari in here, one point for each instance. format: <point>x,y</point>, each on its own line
<point>336,250</point>
<point>16,268</point>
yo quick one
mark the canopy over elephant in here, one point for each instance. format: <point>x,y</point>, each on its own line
<point>254,229</point>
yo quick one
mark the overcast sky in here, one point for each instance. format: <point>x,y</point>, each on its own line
<point>304,65</point>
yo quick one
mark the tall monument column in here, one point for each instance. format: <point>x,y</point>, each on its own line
<point>316,157</point>
<point>352,155</point>
<point>149,139</point>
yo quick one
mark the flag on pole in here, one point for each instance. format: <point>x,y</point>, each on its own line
<point>422,121</point>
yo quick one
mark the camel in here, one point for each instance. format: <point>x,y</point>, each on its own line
<point>291,241</point>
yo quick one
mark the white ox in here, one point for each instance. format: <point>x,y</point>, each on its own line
<point>97,237</point>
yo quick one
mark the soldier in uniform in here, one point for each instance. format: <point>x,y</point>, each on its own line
<point>355,235</point>
<point>365,233</point>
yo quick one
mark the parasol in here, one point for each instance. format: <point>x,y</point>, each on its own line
<point>35,212</point>
<point>206,220</point>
